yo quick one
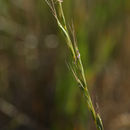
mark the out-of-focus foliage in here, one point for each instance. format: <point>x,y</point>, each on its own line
<point>37,90</point>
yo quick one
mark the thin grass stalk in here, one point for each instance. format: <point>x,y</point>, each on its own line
<point>76,68</point>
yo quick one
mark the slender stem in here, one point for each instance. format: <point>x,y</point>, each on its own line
<point>62,14</point>
<point>65,30</point>
<point>76,55</point>
<point>95,115</point>
<point>69,42</point>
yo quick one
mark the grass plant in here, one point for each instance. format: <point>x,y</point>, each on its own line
<point>76,65</point>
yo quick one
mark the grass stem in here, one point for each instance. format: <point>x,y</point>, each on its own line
<point>78,66</point>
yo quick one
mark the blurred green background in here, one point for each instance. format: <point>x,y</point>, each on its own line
<point>37,91</point>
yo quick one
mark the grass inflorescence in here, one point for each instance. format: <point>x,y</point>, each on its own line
<point>76,67</point>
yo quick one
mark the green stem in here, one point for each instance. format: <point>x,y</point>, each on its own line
<point>95,115</point>
<point>76,56</point>
<point>69,42</point>
<point>65,30</point>
<point>62,14</point>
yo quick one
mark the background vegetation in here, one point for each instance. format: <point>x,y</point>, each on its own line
<point>37,91</point>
